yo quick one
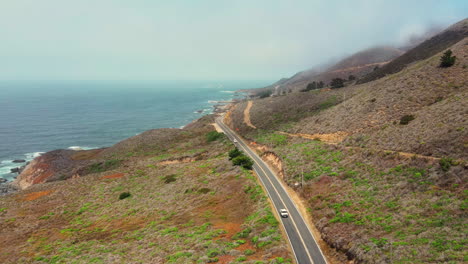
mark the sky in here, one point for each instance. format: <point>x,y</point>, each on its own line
<point>201,39</point>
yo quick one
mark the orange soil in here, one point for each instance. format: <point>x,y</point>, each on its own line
<point>113,176</point>
<point>36,195</point>
<point>225,259</point>
<point>230,228</point>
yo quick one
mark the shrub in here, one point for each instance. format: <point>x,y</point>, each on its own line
<point>445,163</point>
<point>169,178</point>
<point>265,94</point>
<point>249,252</point>
<point>124,195</point>
<point>204,190</point>
<point>337,83</point>
<point>103,166</point>
<point>404,120</point>
<point>311,86</point>
<point>234,153</point>
<point>243,161</point>
<point>352,78</point>
<point>447,59</point>
<point>213,135</point>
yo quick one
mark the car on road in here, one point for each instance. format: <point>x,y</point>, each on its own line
<point>235,140</point>
<point>284,213</point>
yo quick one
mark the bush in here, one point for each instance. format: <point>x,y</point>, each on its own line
<point>265,94</point>
<point>352,78</point>
<point>124,195</point>
<point>213,135</point>
<point>103,166</point>
<point>234,153</point>
<point>311,86</point>
<point>243,161</point>
<point>169,178</point>
<point>337,83</point>
<point>447,59</point>
<point>445,164</point>
<point>404,120</point>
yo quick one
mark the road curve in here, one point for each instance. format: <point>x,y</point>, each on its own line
<point>300,237</point>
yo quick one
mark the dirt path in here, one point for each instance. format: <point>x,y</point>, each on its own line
<point>338,137</point>
<point>247,115</point>
<point>333,138</point>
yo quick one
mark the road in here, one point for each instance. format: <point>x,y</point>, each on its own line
<point>300,237</point>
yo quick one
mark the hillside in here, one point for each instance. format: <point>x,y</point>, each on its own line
<point>358,64</point>
<point>378,189</point>
<point>428,48</point>
<point>184,207</point>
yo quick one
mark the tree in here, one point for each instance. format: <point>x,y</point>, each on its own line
<point>311,86</point>
<point>337,83</point>
<point>264,94</point>
<point>320,85</point>
<point>447,59</point>
<point>351,78</point>
<point>376,67</point>
<point>234,153</point>
<point>243,161</point>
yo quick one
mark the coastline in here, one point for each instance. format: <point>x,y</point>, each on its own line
<point>7,184</point>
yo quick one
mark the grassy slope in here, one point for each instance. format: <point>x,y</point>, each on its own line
<point>378,206</point>
<point>183,212</point>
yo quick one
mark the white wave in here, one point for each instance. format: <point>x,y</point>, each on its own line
<point>32,155</point>
<point>227,91</point>
<point>212,102</point>
<point>80,148</point>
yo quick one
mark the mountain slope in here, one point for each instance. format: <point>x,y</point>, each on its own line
<point>378,189</point>
<point>428,48</point>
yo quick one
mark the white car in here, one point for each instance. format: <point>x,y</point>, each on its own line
<point>284,213</point>
<point>235,140</point>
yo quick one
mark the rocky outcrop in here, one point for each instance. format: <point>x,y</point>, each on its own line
<point>51,166</point>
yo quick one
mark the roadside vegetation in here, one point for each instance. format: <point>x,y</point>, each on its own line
<point>379,206</point>
<point>150,207</point>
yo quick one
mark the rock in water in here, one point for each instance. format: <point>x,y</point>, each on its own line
<point>19,161</point>
<point>15,170</point>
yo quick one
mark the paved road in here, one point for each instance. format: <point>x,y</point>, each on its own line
<point>300,237</point>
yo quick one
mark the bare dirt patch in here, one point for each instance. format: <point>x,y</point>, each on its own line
<point>113,176</point>
<point>36,195</point>
<point>247,115</point>
<point>331,138</point>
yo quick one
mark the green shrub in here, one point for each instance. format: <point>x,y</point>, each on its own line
<point>404,120</point>
<point>249,252</point>
<point>204,190</point>
<point>243,161</point>
<point>212,253</point>
<point>213,135</point>
<point>446,163</point>
<point>337,83</point>
<point>169,178</point>
<point>242,258</point>
<point>124,195</point>
<point>234,153</point>
<point>103,166</point>
<point>265,94</point>
<point>447,59</point>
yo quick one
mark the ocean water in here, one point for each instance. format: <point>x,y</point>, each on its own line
<point>40,116</point>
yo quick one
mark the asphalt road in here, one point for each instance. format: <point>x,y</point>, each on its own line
<point>300,237</point>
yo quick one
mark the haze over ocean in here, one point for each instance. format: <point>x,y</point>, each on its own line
<point>45,115</point>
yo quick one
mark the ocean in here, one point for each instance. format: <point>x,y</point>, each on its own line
<point>40,116</point>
